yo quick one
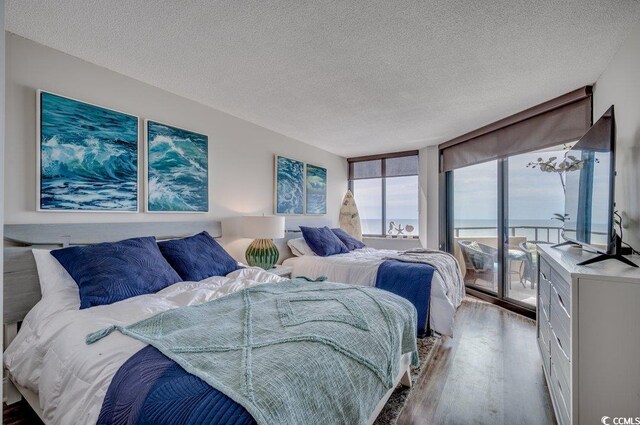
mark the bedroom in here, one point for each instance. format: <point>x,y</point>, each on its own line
<point>251,121</point>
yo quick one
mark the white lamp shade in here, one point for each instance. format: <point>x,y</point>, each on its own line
<point>263,227</point>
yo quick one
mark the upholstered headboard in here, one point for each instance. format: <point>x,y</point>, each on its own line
<point>21,285</point>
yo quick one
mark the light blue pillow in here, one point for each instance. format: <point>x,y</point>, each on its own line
<point>114,271</point>
<point>323,241</point>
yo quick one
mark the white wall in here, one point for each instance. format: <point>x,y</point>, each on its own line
<point>240,153</point>
<point>2,123</point>
<point>429,190</point>
<point>619,85</point>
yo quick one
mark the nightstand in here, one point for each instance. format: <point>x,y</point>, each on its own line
<point>282,271</point>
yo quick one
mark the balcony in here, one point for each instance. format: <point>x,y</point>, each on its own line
<point>476,249</point>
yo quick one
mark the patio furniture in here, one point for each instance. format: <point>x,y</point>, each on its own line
<point>480,260</point>
<point>530,265</point>
<point>521,256</point>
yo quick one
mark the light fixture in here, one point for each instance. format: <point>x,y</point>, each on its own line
<point>262,252</point>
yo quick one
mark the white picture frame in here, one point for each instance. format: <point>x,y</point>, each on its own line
<point>38,180</point>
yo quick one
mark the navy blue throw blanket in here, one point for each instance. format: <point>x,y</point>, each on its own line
<point>411,281</point>
<point>150,388</point>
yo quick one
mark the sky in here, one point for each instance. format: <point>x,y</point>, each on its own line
<point>533,194</point>
<point>402,197</point>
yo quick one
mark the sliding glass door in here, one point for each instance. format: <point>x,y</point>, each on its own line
<point>499,212</point>
<point>535,203</point>
<point>475,224</point>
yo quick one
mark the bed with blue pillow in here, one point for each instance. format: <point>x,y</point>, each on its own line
<point>78,351</point>
<point>431,280</point>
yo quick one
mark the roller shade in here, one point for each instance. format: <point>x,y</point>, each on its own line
<point>385,165</point>
<point>561,120</point>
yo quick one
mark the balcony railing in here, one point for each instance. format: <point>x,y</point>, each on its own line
<point>550,234</point>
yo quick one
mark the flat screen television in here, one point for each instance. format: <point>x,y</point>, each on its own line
<point>590,185</point>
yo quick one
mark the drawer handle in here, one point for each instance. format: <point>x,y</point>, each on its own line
<point>561,300</point>
<point>559,384</point>
<point>544,276</point>
<point>562,304</point>
<point>560,346</point>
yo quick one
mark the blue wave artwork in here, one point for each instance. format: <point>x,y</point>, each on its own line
<point>289,186</point>
<point>316,190</point>
<point>177,169</point>
<point>88,157</point>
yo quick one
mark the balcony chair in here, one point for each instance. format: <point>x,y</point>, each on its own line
<point>480,261</point>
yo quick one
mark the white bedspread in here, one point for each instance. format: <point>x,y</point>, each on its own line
<point>49,355</point>
<point>360,267</point>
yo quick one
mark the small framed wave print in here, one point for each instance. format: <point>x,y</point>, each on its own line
<point>289,186</point>
<point>316,190</point>
<point>177,169</point>
<point>87,157</point>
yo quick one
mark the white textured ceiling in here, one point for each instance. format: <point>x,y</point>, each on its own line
<point>353,77</point>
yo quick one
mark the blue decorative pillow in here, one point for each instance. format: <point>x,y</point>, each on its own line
<point>110,272</point>
<point>350,242</point>
<point>198,257</point>
<point>323,241</point>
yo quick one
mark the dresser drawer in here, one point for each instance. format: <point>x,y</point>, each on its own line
<point>560,360</point>
<point>545,297</point>
<point>561,324</point>
<point>545,268</point>
<point>563,288</point>
<point>544,342</point>
<point>560,393</point>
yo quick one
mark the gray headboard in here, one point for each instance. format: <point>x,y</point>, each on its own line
<point>21,285</point>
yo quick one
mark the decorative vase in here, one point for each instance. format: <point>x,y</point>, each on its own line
<point>262,253</point>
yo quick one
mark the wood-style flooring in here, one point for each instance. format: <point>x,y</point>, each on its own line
<point>490,372</point>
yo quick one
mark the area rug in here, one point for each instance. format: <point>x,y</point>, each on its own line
<point>397,401</point>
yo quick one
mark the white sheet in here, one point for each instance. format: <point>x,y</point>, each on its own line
<point>360,267</point>
<point>50,357</point>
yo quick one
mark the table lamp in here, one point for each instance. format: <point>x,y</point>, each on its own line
<point>262,252</point>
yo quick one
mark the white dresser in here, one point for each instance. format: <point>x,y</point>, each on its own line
<point>589,336</point>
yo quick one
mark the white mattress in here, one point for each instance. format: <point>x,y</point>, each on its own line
<point>49,355</point>
<point>360,267</point>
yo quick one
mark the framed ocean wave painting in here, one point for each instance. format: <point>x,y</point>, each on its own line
<point>289,186</point>
<point>87,159</point>
<point>177,171</point>
<point>316,190</point>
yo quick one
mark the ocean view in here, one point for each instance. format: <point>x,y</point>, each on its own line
<point>523,227</point>
<point>374,226</point>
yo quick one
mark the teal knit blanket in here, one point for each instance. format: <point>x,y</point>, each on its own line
<point>290,353</point>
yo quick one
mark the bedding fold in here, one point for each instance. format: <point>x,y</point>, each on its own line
<point>412,282</point>
<point>288,352</point>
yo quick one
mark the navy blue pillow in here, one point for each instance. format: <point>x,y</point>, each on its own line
<point>198,257</point>
<point>323,241</point>
<point>350,242</point>
<point>114,271</point>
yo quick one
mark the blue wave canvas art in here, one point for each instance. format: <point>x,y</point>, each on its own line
<point>88,157</point>
<point>289,186</point>
<point>316,190</point>
<point>177,169</point>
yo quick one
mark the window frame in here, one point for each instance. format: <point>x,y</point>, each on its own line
<point>383,176</point>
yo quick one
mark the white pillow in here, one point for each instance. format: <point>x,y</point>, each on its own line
<point>299,247</point>
<point>53,277</point>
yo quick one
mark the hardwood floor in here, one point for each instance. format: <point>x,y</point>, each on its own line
<point>489,373</point>
<point>19,414</point>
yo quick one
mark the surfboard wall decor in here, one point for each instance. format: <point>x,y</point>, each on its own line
<point>350,217</point>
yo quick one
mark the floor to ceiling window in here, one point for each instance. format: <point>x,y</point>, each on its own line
<point>475,224</point>
<point>535,215</point>
<point>502,195</point>
<point>502,211</point>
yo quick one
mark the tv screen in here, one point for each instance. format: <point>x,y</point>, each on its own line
<point>589,181</point>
